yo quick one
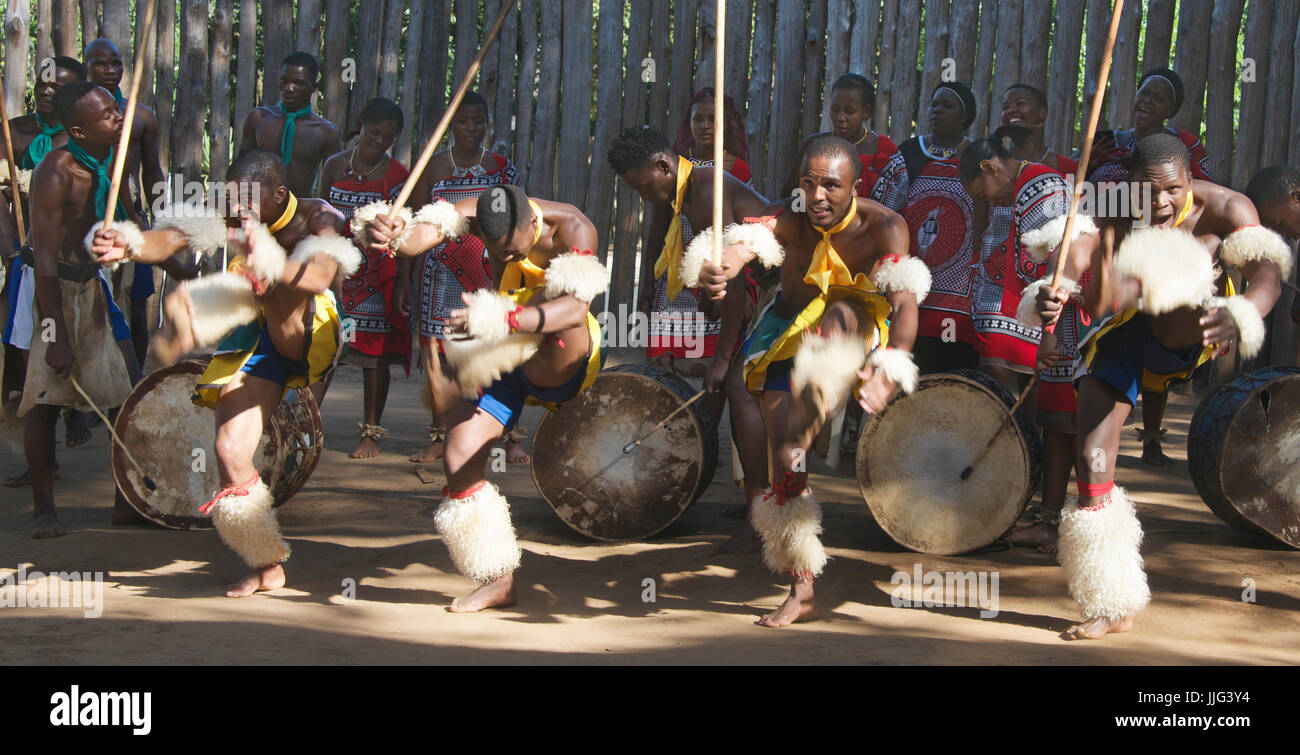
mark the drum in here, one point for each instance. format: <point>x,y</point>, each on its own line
<point>1243,447</point>
<point>581,470</point>
<point>173,440</point>
<point>911,456</point>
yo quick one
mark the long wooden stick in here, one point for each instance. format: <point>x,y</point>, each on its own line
<point>1080,176</point>
<point>123,141</point>
<point>628,448</point>
<point>719,140</point>
<point>13,170</point>
<point>450,113</point>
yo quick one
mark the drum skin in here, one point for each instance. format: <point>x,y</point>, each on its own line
<point>1243,449</point>
<point>911,455</point>
<point>581,470</point>
<point>165,431</point>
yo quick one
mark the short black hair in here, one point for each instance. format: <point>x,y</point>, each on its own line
<point>473,99</point>
<point>1272,185</point>
<point>1039,96</point>
<point>1173,79</point>
<point>501,210</point>
<point>636,146</point>
<point>66,99</point>
<point>1158,149</point>
<point>977,152</point>
<point>303,60</point>
<point>860,83</point>
<point>833,146</point>
<point>380,110</point>
<point>71,64</point>
<point>259,166</point>
<point>99,42</point>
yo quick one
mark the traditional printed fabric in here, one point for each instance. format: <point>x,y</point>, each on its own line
<point>1113,168</point>
<point>1006,267</point>
<point>939,215</point>
<point>1056,389</point>
<point>459,265</point>
<point>379,329</point>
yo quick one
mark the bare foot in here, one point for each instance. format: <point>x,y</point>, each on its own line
<point>799,606</point>
<point>258,580</point>
<point>1041,536</point>
<point>515,454</point>
<point>745,540</point>
<point>367,449</point>
<point>432,453</point>
<point>47,526</point>
<point>498,593</point>
<point>1154,455</point>
<point>1095,629</point>
<point>76,431</point>
<point>24,478</point>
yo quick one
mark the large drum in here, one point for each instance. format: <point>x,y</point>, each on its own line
<point>581,470</point>
<point>911,456</point>
<point>1243,448</point>
<point>173,439</point>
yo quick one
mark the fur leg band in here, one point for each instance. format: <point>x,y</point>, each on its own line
<point>790,528</point>
<point>248,526</point>
<point>477,530</point>
<point>1100,553</point>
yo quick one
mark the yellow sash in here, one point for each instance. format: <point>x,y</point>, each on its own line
<point>289,211</point>
<point>827,269</point>
<point>670,259</point>
<point>525,273</point>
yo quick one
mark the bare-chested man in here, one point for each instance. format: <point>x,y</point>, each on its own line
<point>302,138</point>
<point>71,337</point>
<point>285,332</point>
<point>646,162</point>
<point>846,273</point>
<point>1154,312</point>
<point>548,350</point>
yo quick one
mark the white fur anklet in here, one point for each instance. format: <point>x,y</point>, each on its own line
<point>219,303</point>
<point>790,531</point>
<point>1100,552</point>
<point>130,231</point>
<point>897,365</point>
<point>476,527</point>
<point>341,250</point>
<point>1027,310</point>
<point>830,364</point>
<point>445,217</point>
<point>248,526</point>
<point>894,274</point>
<point>1250,326</point>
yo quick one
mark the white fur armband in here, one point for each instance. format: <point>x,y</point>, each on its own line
<point>130,231</point>
<point>204,227</point>
<point>1027,311</point>
<point>830,364</point>
<point>24,177</point>
<point>267,259</point>
<point>1042,241</point>
<point>337,248</point>
<point>1174,268</point>
<point>894,274</point>
<point>445,217</point>
<point>897,365</point>
<point>485,316</point>
<point>364,215</point>
<point>759,238</point>
<point>580,275</point>
<point>1255,242</point>
<point>1250,325</point>
<point>699,251</point>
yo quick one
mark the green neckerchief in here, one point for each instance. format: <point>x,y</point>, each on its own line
<point>42,144</point>
<point>117,95</point>
<point>290,126</point>
<point>100,173</point>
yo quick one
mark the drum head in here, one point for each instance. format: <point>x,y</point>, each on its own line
<point>581,470</point>
<point>911,456</point>
<point>1244,451</point>
<point>173,441</point>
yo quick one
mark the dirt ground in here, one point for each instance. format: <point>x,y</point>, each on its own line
<point>582,602</point>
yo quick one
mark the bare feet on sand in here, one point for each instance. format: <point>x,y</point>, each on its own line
<point>1154,455</point>
<point>745,540</point>
<point>258,580</point>
<point>24,478</point>
<point>47,526</point>
<point>1095,629</point>
<point>1041,535</point>
<point>124,513</point>
<point>498,593</point>
<point>367,449</point>
<point>799,606</point>
<point>76,430</point>
<point>432,453</point>
<point>515,454</point>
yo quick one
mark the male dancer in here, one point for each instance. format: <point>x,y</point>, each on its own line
<point>303,139</point>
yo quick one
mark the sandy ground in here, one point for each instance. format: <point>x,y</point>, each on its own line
<point>582,602</point>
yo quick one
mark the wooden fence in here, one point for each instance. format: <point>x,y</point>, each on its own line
<point>568,74</point>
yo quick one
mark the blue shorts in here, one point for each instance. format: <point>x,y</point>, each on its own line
<point>121,330</point>
<point>269,364</point>
<point>777,377</point>
<point>142,284</point>
<point>504,399</point>
<point>1126,352</point>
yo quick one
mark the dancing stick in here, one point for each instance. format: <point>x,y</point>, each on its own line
<point>13,170</point>
<point>443,124</point>
<point>148,482</point>
<point>1080,175</point>
<point>629,447</point>
<point>119,162</point>
<point>719,73</point>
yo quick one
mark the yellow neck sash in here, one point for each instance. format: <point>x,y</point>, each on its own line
<point>290,210</point>
<point>525,273</point>
<point>670,259</point>
<point>827,269</point>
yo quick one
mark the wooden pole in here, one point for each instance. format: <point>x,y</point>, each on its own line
<point>13,169</point>
<point>119,161</point>
<point>447,115</point>
<point>719,81</point>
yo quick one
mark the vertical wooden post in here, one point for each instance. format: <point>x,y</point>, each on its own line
<point>1254,94</point>
<point>740,16</point>
<point>65,28</point>
<point>838,28</point>
<point>90,23</point>
<point>623,257</point>
<point>575,104</point>
<point>1063,80</point>
<point>117,28</point>
<point>760,91</point>
<point>1124,74</point>
<point>146,40</point>
<point>277,42</point>
<point>488,71</point>
<point>1098,20</point>
<point>44,30</point>
<point>17,44</point>
<point>1159,30</point>
<point>704,43</point>
<point>223,17</point>
<point>963,22</point>
<point>1006,70</point>
<point>542,166</point>
<point>1281,62</point>
<point>814,70</point>
<point>246,64</point>
<point>1191,62</point>
<point>1220,95</point>
<point>467,36</point>
<point>1294,155</point>
<point>906,77</point>
<point>985,101</point>
<point>390,51</point>
<point>609,82</point>
<point>787,91</point>
<point>368,37</point>
<point>937,38</point>
<point>1035,31</point>
<point>661,50</point>
<point>503,107</point>
<point>526,86</point>
<point>887,63</point>
<point>306,38</point>
<point>682,74</point>
<point>863,37</point>
<point>191,94</point>
<point>166,86</point>
<point>411,80</point>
